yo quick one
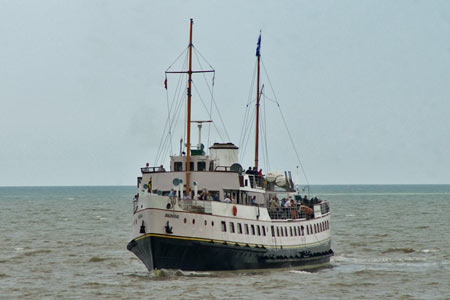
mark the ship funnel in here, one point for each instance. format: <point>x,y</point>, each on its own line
<point>224,154</point>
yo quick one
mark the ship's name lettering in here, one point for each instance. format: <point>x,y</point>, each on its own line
<point>172,216</point>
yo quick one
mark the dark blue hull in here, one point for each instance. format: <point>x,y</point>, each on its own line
<point>171,252</point>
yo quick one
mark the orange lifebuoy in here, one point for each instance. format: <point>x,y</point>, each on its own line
<point>295,214</point>
<point>234,210</point>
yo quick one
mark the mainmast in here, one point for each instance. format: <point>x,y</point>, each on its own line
<point>258,54</point>
<point>189,94</point>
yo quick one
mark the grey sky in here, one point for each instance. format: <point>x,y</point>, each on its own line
<point>364,85</point>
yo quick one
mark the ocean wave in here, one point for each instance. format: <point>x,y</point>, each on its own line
<point>300,272</point>
<point>37,252</point>
<point>97,259</point>
<point>399,250</point>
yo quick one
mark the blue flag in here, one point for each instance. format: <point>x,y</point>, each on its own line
<point>259,46</point>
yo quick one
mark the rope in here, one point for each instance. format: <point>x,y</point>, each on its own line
<point>285,125</point>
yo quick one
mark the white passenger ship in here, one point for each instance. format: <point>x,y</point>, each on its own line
<point>206,213</point>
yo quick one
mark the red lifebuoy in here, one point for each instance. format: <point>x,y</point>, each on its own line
<point>295,214</point>
<point>234,210</point>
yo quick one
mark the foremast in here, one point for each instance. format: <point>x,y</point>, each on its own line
<point>189,101</point>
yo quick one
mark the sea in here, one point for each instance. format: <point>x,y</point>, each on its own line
<point>390,242</point>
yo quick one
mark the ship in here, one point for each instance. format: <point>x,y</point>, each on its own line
<point>207,213</point>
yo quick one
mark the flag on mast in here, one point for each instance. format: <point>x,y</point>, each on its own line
<point>259,45</point>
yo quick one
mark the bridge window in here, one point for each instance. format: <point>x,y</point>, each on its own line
<point>253,229</point>
<point>246,229</point>
<point>278,231</point>
<point>178,166</point>
<point>272,230</point>
<point>264,231</point>
<point>290,230</point>
<point>259,230</point>
<point>201,166</point>
<point>285,231</point>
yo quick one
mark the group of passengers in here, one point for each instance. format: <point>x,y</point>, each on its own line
<point>289,202</point>
<point>205,195</point>
<point>254,171</point>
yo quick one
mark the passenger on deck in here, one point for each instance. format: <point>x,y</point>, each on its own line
<point>204,195</point>
<point>214,197</point>
<point>161,168</point>
<point>172,193</point>
<point>249,171</point>
<point>254,200</point>
<point>227,199</point>
<point>275,203</point>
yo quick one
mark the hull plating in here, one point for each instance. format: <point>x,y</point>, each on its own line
<point>172,252</point>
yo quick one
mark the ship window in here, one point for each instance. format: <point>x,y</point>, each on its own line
<point>282,231</point>
<point>272,230</point>
<point>315,228</point>
<point>295,230</point>
<point>285,231</point>
<point>191,166</point>
<point>239,228</point>
<point>224,226</point>
<point>253,229</point>
<point>302,230</point>
<point>193,221</point>
<point>185,220</point>
<point>206,223</point>
<point>290,230</point>
<point>231,227</point>
<point>264,231</point>
<point>246,229</point>
<point>298,230</point>
<point>259,230</point>
<point>178,166</point>
<point>201,166</point>
<point>307,229</point>
<point>212,223</point>
<point>278,231</point>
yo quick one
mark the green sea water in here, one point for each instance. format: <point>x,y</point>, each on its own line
<point>390,242</point>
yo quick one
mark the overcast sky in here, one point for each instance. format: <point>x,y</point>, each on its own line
<point>364,85</point>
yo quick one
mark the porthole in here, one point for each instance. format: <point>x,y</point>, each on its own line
<point>193,221</point>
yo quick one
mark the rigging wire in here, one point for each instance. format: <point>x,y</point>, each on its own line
<point>246,113</point>
<point>285,125</point>
<point>204,105</point>
<point>166,139</point>
<point>212,96</point>
<point>264,131</point>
